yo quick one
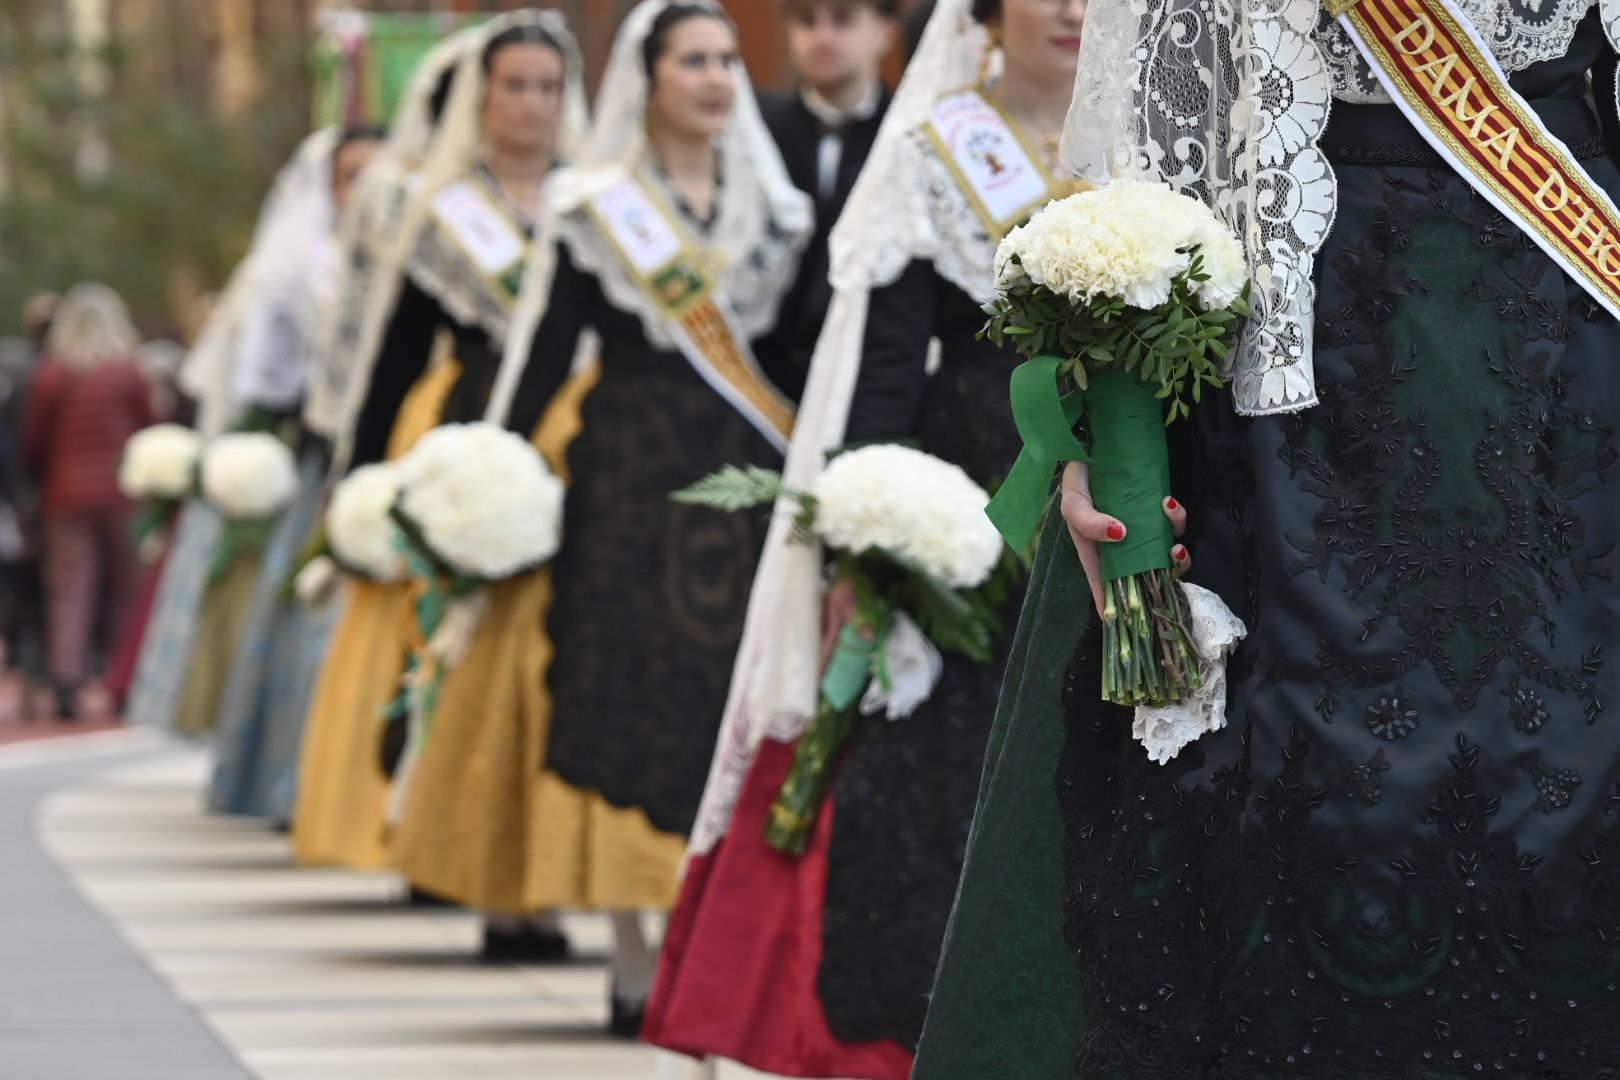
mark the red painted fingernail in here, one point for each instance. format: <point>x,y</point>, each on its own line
<point>1179,553</point>
<point>1116,531</point>
<point>1171,504</point>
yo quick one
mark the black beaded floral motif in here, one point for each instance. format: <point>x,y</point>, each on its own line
<point>1555,788</point>
<point>1363,781</point>
<point>1393,716</point>
<point>1527,708</point>
<point>1460,568</point>
<point>1214,948</point>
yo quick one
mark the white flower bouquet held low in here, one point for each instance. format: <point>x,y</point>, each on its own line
<point>476,505</point>
<point>160,462</point>
<point>1126,300</point>
<point>159,471</point>
<point>929,571</point>
<point>361,534</point>
<point>480,501</point>
<point>249,477</point>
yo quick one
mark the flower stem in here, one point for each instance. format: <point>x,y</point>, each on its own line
<point>793,811</point>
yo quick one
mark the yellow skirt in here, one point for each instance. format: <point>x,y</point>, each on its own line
<point>225,606</point>
<point>482,823</point>
<point>340,816</point>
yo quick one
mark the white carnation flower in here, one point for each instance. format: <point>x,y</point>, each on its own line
<point>1128,240</point>
<point>248,476</point>
<point>922,510</point>
<point>483,499</point>
<point>1227,269</point>
<point>160,462</point>
<point>359,525</point>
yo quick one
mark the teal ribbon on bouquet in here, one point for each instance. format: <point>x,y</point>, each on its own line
<point>1045,420</point>
<point>432,604</point>
<point>858,658</point>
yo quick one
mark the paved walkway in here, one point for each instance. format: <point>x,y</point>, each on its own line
<point>76,1001</point>
<point>143,940</point>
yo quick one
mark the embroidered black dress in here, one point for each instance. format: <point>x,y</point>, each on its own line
<point>905,790</point>
<point>649,594</point>
<point>1402,857</point>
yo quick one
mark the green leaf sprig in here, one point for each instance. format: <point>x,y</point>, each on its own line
<point>1178,345</point>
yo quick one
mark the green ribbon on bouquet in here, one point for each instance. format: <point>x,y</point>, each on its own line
<point>1045,420</point>
<point>857,659</point>
<point>1129,460</point>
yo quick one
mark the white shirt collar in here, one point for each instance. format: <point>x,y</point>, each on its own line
<point>833,116</point>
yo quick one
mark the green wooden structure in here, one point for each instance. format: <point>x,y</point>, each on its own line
<point>363,62</point>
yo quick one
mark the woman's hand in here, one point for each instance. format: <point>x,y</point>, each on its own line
<point>837,609</point>
<point>1089,527</point>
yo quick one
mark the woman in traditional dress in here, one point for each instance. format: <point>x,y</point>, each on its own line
<point>263,694</point>
<point>820,965</point>
<point>243,349</point>
<point>1398,857</point>
<point>678,235</point>
<point>461,247</point>
<point>273,675</point>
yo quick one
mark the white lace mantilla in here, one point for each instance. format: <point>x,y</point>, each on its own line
<point>1226,100</point>
<point>444,271</point>
<point>758,256</point>
<point>377,212</point>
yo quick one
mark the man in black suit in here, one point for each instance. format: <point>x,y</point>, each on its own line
<point>825,130</point>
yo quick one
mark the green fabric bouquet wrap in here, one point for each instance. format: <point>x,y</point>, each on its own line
<point>1126,299</point>
<point>907,533</point>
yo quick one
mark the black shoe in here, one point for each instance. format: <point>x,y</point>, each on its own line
<point>530,945</point>
<point>625,1021</point>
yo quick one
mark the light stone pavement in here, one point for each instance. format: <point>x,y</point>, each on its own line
<point>261,968</point>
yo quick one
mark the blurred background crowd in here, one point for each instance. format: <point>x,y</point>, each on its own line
<point>137,141</point>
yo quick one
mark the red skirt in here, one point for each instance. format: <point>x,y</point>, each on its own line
<point>126,652</point>
<point>738,975</point>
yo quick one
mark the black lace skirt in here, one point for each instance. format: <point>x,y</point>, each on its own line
<point>1402,858</point>
<point>649,594</point>
<point>905,792</point>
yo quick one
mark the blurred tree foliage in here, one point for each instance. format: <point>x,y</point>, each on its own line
<point>143,185</point>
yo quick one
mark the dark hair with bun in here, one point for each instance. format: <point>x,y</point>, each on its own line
<point>986,11</point>
<point>524,33</point>
<point>657,40</point>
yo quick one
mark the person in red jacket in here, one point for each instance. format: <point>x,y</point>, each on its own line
<point>87,398</point>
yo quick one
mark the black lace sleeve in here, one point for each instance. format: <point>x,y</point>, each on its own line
<point>401,360</point>
<point>575,300</point>
<point>900,322</point>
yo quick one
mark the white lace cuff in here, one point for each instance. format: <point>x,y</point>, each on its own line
<point>1166,730</point>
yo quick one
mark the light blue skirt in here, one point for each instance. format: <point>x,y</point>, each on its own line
<point>171,633</point>
<point>273,672</point>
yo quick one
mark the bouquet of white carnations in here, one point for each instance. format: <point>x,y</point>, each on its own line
<point>476,505</point>
<point>929,572</point>
<point>249,477</point>
<point>159,470</point>
<point>362,536</point>
<point>358,536</point>
<point>1126,299</point>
